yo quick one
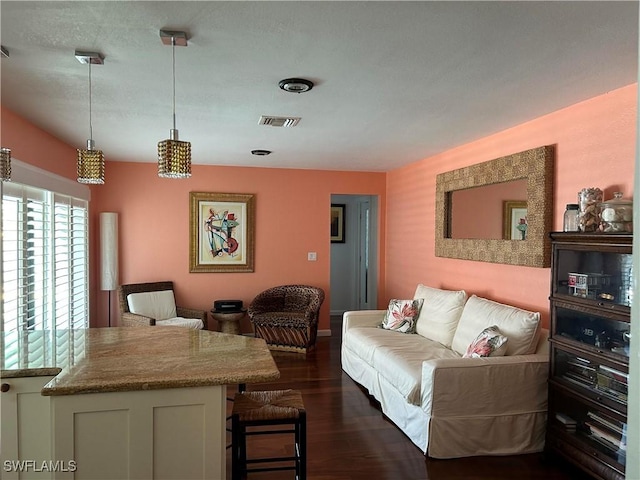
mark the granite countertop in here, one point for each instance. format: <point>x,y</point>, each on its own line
<point>122,359</point>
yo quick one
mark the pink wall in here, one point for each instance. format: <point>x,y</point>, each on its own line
<point>33,145</point>
<point>595,147</point>
<point>292,218</point>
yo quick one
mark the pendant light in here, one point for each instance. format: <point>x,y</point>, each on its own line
<point>5,164</point>
<point>174,156</point>
<point>90,165</point>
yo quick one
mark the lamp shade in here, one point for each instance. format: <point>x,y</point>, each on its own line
<point>90,166</point>
<point>5,164</point>
<point>109,251</point>
<point>174,159</point>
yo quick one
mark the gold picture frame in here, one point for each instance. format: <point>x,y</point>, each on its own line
<point>222,232</point>
<point>514,220</point>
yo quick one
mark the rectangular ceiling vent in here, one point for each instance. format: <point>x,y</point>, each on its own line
<point>279,121</point>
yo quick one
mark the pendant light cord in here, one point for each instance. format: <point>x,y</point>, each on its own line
<point>173,49</point>
<point>90,123</point>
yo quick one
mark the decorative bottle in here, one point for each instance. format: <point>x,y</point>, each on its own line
<point>589,213</point>
<point>617,215</point>
<point>570,220</point>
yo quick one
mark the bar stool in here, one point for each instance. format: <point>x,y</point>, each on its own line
<point>268,408</point>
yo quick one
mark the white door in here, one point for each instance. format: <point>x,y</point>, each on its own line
<point>364,255</point>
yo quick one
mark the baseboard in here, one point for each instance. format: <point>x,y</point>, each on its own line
<point>321,333</point>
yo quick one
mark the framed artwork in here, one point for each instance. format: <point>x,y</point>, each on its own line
<point>222,231</point>
<point>337,222</point>
<point>515,220</point>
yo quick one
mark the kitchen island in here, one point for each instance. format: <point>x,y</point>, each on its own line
<point>114,403</point>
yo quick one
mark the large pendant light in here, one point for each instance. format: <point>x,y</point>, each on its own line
<point>90,161</point>
<point>174,156</point>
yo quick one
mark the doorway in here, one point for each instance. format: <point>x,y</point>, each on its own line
<point>354,262</point>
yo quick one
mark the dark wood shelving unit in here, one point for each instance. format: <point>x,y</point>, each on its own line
<point>591,294</point>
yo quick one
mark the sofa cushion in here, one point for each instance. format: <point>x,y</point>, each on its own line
<point>401,315</point>
<point>440,313</point>
<point>489,343</point>
<point>159,305</point>
<point>520,326</point>
<point>397,358</point>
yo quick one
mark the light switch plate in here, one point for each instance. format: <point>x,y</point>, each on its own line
<point>312,256</point>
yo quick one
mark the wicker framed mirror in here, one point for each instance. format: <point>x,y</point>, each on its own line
<point>536,166</point>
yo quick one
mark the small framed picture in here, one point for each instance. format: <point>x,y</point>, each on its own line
<point>337,222</point>
<point>515,220</point>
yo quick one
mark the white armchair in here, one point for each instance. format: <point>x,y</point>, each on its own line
<point>153,304</point>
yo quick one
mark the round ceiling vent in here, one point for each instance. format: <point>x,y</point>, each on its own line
<point>295,85</point>
<point>260,152</point>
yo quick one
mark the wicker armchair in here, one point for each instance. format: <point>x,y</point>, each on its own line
<point>128,319</point>
<point>286,317</point>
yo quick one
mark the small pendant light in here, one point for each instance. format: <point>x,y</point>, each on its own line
<point>90,166</point>
<point>5,164</point>
<point>174,156</point>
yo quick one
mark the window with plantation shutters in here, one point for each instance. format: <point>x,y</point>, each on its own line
<point>44,260</point>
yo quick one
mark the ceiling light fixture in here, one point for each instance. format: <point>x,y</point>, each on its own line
<point>261,153</point>
<point>295,85</point>
<point>90,165</point>
<point>5,164</point>
<point>174,156</point>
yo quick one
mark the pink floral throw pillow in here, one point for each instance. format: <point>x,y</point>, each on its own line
<point>402,315</point>
<point>490,343</point>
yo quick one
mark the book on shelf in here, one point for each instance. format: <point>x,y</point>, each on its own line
<point>615,374</point>
<point>612,384</point>
<point>567,422</point>
<point>609,437</point>
<point>605,443</point>
<point>581,362</point>
<point>586,381</point>
<point>565,419</point>
<point>615,395</point>
<point>582,370</point>
<point>611,424</point>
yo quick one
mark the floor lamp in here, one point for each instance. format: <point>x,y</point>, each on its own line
<point>109,253</point>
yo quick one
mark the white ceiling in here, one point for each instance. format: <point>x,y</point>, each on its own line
<point>395,81</point>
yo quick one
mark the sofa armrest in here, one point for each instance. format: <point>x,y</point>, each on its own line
<point>128,319</point>
<point>485,386</point>
<point>362,318</point>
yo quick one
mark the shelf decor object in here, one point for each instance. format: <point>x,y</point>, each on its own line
<point>591,294</point>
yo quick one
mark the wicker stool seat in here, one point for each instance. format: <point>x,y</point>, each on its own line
<point>268,408</point>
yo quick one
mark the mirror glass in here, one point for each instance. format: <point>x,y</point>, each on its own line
<point>516,229</point>
<point>489,211</point>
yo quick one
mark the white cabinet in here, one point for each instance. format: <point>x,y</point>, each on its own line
<point>176,433</point>
<point>25,429</point>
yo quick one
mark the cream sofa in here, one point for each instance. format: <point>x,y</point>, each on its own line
<point>451,406</point>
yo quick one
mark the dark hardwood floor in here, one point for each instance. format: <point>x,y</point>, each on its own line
<point>349,438</point>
